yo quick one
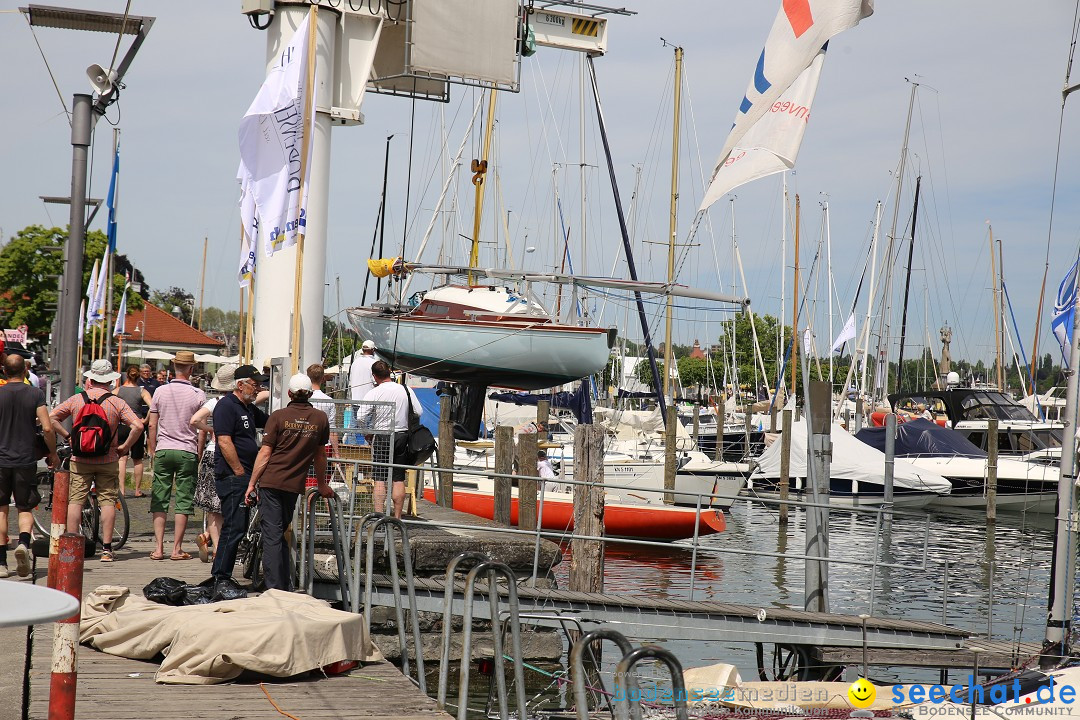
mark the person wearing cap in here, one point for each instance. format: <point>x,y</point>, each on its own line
<point>361,381</point>
<point>103,471</point>
<point>22,407</point>
<point>295,438</point>
<point>235,420</point>
<point>386,390</point>
<point>173,443</point>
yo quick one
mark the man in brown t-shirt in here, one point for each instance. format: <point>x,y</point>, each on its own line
<point>294,438</point>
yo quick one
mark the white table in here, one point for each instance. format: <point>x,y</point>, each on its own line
<point>23,603</point>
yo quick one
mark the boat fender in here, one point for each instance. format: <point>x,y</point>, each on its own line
<point>761,615</point>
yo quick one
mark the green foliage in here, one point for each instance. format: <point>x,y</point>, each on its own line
<point>173,298</point>
<point>30,266</point>
<point>693,373</point>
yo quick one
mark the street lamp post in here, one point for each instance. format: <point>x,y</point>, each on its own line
<point>85,111</point>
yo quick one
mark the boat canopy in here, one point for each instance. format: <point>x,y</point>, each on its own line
<point>576,402</point>
<point>851,460</point>
<point>922,437</point>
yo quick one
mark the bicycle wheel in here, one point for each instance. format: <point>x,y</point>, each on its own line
<point>43,512</point>
<point>252,542</point>
<point>91,518</point>
<point>121,527</point>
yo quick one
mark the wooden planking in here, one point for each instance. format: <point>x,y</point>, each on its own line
<point>992,654</point>
<point>108,690</point>
<point>658,605</point>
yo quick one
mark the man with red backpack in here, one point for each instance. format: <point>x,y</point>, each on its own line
<point>95,453</point>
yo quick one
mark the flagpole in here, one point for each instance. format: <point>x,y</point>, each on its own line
<point>241,320</point>
<point>202,280</point>
<point>309,127</point>
<point>249,339</point>
<point>107,342</point>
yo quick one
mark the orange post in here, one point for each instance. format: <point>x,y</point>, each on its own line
<point>69,578</point>
<point>61,479</point>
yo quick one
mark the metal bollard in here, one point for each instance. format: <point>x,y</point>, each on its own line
<point>69,577</point>
<point>61,483</point>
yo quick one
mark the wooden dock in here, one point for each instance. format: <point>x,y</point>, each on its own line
<point>993,654</point>
<point>118,688</point>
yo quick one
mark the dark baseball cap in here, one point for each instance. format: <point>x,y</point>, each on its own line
<point>250,372</point>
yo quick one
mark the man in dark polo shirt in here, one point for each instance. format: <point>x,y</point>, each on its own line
<point>20,406</point>
<point>235,421</point>
<point>295,437</point>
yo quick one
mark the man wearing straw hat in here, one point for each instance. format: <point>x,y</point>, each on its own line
<point>172,443</point>
<point>103,471</point>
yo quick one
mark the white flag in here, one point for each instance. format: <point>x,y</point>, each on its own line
<point>271,141</point>
<point>82,321</point>
<point>848,333</point>
<point>773,143</point>
<point>800,31</point>
<point>250,221</point>
<point>99,293</point>
<point>120,326</point>
<point>91,291</point>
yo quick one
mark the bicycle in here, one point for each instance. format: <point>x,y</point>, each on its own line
<point>91,513</point>
<point>249,551</point>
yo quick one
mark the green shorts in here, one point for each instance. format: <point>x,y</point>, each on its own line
<point>171,467</point>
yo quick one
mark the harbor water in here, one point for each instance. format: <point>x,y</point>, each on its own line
<point>996,579</point>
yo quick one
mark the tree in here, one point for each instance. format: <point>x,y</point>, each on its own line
<point>30,267</point>
<point>175,297</point>
<point>693,374</point>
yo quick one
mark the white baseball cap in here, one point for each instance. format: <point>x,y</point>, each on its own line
<point>368,345</point>
<point>300,383</point>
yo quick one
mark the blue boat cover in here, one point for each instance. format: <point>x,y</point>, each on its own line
<point>922,437</point>
<point>430,402</point>
<point>577,402</point>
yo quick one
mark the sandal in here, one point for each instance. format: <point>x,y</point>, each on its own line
<point>181,556</point>
<point>156,556</point>
<point>204,551</point>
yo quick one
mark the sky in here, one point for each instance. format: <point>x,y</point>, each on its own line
<point>984,136</point>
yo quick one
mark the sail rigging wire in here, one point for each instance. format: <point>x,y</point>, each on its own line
<point>1066,90</point>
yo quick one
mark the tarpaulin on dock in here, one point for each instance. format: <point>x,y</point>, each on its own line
<point>278,633</point>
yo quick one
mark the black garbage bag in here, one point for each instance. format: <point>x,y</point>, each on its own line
<point>224,589</point>
<point>198,594</point>
<point>165,590</point>
<point>170,591</point>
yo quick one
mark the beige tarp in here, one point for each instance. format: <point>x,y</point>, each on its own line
<point>277,633</point>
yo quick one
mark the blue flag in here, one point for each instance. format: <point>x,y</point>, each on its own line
<point>1062,322</point>
<point>110,229</point>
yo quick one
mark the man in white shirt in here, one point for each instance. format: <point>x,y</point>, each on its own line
<point>361,381</point>
<point>321,401</point>
<point>386,390</point>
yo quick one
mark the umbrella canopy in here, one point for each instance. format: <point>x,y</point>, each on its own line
<point>151,355</point>
<point>216,359</point>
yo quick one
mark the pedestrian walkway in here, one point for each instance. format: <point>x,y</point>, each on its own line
<point>119,689</point>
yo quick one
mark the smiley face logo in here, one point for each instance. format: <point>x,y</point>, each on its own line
<point>862,693</point>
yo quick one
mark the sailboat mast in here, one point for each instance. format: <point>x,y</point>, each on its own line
<point>783,287</point>
<point>673,219</point>
<point>829,286</point>
<point>479,168</point>
<point>907,290</point>
<point>997,308</point>
<point>883,337</point>
<point>795,302</point>
<point>631,266</point>
<point>864,348</point>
